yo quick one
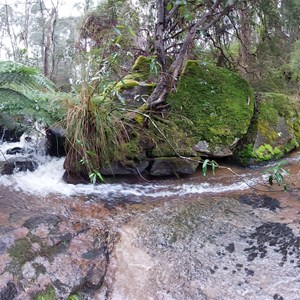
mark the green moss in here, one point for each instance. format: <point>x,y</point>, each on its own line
<point>267,152</point>
<point>75,297</point>
<point>21,252</point>
<point>246,154</point>
<point>169,139</point>
<point>126,84</point>
<point>218,102</point>
<point>49,294</point>
<point>132,149</point>
<point>275,129</point>
<point>141,68</point>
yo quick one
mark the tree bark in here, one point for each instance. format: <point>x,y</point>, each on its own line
<point>168,79</point>
<point>159,35</point>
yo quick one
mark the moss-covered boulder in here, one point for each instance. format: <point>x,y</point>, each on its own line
<point>134,89</point>
<point>218,104</point>
<point>275,129</point>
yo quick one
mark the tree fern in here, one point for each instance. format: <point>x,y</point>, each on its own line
<point>21,78</point>
<point>24,91</point>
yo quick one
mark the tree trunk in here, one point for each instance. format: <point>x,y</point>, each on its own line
<point>247,59</point>
<point>168,79</point>
<point>159,34</point>
<point>49,43</point>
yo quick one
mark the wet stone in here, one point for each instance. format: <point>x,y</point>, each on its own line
<point>2,247</point>
<point>249,272</point>
<point>278,297</point>
<point>276,236</point>
<point>15,150</point>
<point>230,248</point>
<point>9,293</point>
<point>261,202</point>
<point>94,253</point>
<point>49,220</point>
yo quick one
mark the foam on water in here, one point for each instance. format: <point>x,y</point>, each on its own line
<point>47,179</point>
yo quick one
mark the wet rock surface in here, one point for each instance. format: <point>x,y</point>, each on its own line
<point>232,246</point>
<point>18,164</point>
<point>200,250</point>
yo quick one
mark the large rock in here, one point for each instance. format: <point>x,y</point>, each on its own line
<point>173,166</point>
<point>56,139</point>
<point>213,106</point>
<point>134,93</point>
<point>18,164</point>
<point>123,169</point>
<point>12,127</point>
<point>275,129</point>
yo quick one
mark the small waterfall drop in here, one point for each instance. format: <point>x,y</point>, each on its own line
<point>47,178</point>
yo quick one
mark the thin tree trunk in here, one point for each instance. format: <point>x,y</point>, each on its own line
<point>159,34</point>
<point>10,31</point>
<point>168,80</point>
<point>49,45</point>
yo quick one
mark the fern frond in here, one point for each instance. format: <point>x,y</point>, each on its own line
<point>21,78</point>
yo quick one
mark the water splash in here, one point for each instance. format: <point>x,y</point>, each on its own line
<point>47,178</point>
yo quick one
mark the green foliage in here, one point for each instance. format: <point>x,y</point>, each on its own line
<point>207,163</point>
<point>21,78</point>
<point>218,103</point>
<point>144,68</point>
<point>267,152</point>
<point>96,133</point>
<point>49,294</point>
<point>40,106</point>
<point>245,155</point>
<point>275,130</point>
<point>75,297</point>
<point>278,174</point>
<point>24,91</point>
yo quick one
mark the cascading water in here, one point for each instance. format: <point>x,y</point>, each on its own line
<point>47,178</point>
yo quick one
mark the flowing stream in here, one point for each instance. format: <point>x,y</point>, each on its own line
<point>228,236</point>
<point>47,179</point>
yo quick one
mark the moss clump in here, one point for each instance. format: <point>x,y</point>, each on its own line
<point>169,139</point>
<point>132,149</point>
<point>126,84</point>
<point>267,152</point>
<point>246,154</point>
<point>219,104</point>
<point>276,129</point>
<point>21,252</point>
<point>141,68</point>
<point>49,294</point>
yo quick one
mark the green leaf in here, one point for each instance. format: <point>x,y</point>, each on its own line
<point>214,165</point>
<point>204,167</point>
<point>271,180</point>
<point>131,31</point>
<point>169,6</point>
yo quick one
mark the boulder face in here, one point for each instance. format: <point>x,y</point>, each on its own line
<point>275,129</point>
<point>173,166</point>
<point>56,138</point>
<point>18,164</point>
<point>219,105</point>
<point>12,127</point>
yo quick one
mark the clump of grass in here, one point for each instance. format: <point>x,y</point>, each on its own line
<point>95,133</point>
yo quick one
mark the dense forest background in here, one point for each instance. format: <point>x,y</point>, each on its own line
<point>258,38</point>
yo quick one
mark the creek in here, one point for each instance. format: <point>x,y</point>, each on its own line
<point>221,236</point>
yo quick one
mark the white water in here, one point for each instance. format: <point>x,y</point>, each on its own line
<point>47,179</point>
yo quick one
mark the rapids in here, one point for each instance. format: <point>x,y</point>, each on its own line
<point>226,236</point>
<point>47,178</point>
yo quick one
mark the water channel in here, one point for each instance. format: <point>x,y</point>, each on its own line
<point>223,236</point>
